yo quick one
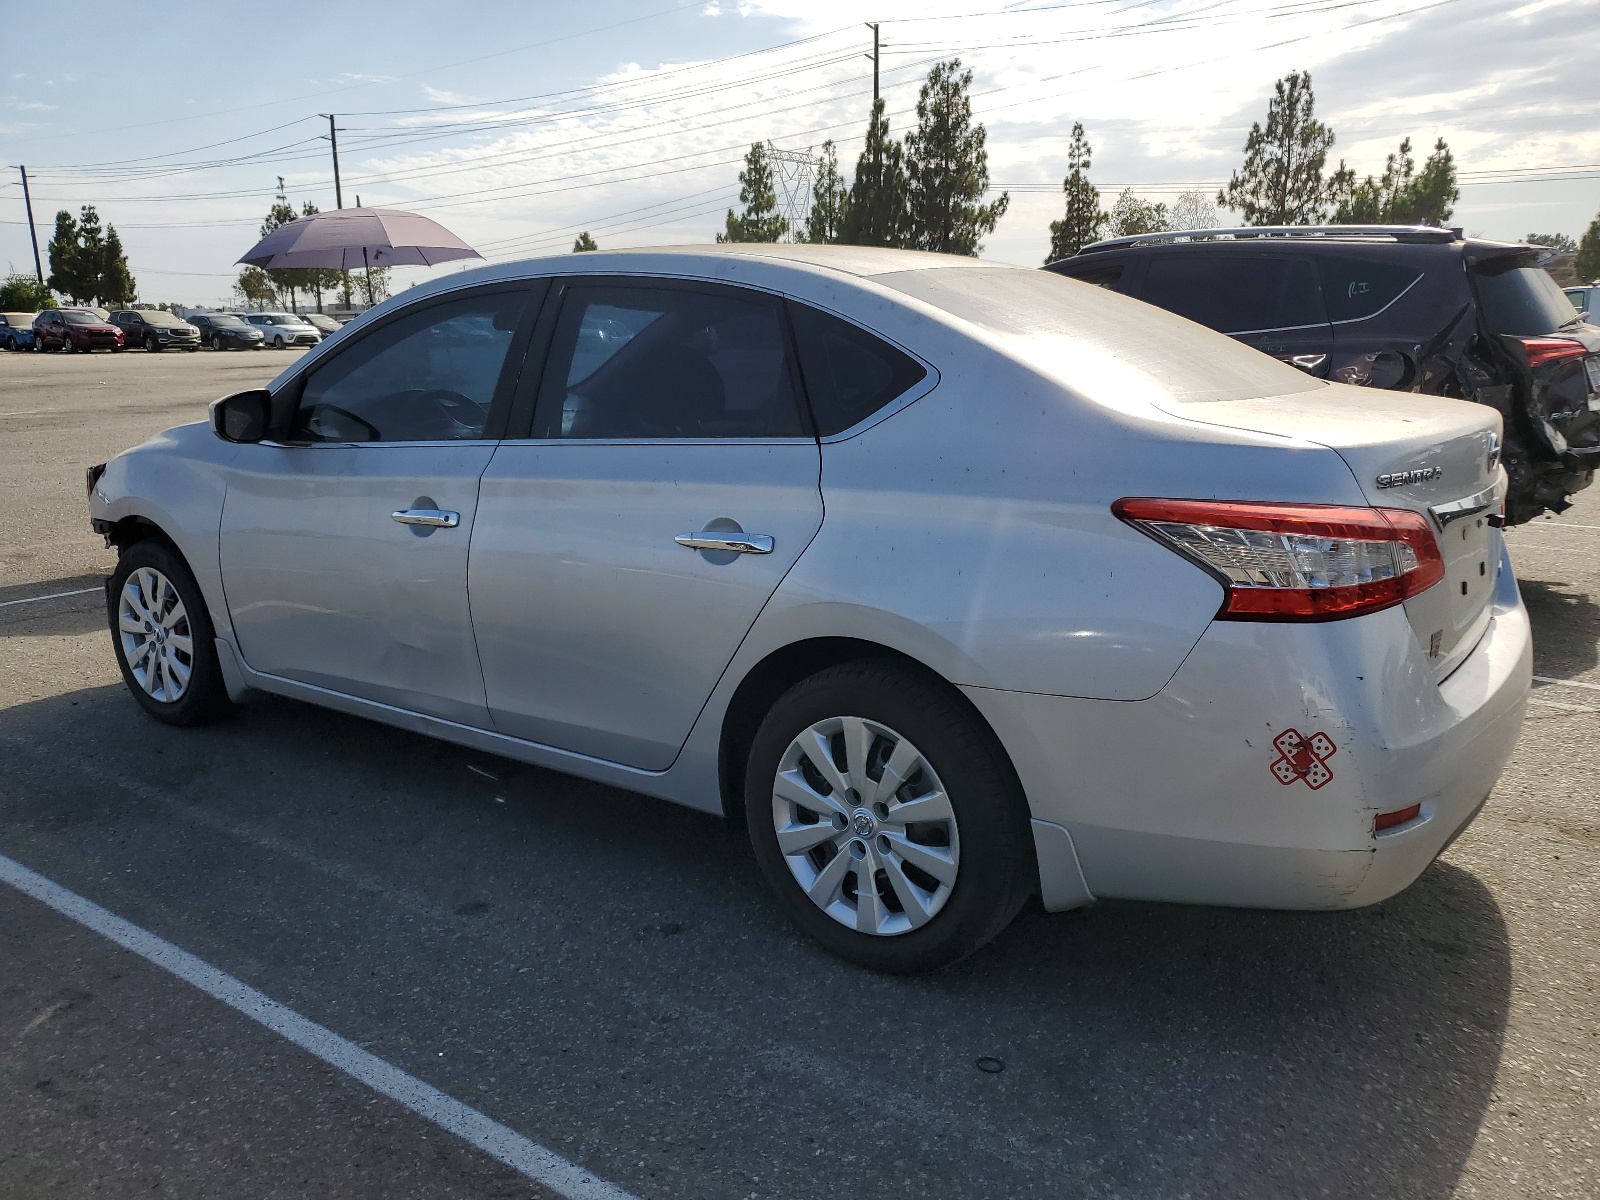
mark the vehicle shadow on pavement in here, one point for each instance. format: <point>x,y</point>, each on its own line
<point>1566,627</point>
<point>618,956</point>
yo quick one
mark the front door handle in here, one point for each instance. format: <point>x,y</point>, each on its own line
<point>434,518</point>
<point>718,539</point>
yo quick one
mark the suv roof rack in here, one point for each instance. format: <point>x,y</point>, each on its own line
<point>1399,233</point>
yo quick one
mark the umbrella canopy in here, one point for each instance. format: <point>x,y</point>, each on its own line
<point>348,238</point>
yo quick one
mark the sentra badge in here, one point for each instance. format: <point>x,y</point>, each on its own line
<point>1401,478</point>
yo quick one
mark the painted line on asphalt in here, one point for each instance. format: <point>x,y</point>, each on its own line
<point>1588,687</point>
<point>1557,525</point>
<point>521,1154</point>
<point>51,596</point>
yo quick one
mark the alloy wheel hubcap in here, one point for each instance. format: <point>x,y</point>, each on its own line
<point>865,827</point>
<point>153,629</point>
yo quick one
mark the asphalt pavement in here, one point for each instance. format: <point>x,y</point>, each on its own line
<point>602,973</point>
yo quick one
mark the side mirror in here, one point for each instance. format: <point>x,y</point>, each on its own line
<point>243,416</point>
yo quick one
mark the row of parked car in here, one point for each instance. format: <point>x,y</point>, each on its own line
<point>87,329</point>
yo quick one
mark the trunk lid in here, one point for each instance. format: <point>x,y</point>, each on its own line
<point>1434,456</point>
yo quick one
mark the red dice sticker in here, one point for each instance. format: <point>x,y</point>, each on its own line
<point>1304,758</point>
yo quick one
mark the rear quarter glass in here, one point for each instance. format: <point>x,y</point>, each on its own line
<point>1108,346</point>
<point>1356,288</point>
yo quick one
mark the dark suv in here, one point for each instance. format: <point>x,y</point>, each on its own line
<point>1412,308</point>
<point>156,329</point>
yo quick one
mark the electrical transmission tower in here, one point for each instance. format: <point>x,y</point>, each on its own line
<point>793,173</point>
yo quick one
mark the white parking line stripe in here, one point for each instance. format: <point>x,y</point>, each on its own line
<point>517,1152</point>
<point>51,596</point>
<point>1590,687</point>
<point>1557,525</point>
<point>1577,708</point>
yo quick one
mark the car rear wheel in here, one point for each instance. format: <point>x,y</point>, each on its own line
<point>886,818</point>
<point>163,637</point>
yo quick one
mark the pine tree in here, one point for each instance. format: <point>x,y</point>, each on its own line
<point>760,221</point>
<point>116,287</point>
<point>876,214</point>
<point>1587,263</point>
<point>830,198</point>
<point>66,261</point>
<point>583,242</point>
<point>285,279</point>
<point>1130,216</point>
<point>1281,181</point>
<point>1401,196</point>
<point>91,254</point>
<point>947,167</point>
<point>1083,219</point>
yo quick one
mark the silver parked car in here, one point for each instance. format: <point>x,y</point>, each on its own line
<point>958,582</point>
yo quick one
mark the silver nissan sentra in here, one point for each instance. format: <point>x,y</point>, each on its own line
<point>957,582</point>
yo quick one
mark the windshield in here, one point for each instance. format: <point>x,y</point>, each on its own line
<point>229,321</point>
<point>1086,335</point>
<point>81,318</point>
<point>281,319</point>
<point>18,319</point>
<point>1520,298</point>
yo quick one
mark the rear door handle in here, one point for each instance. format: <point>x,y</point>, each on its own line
<point>717,539</point>
<point>436,518</point>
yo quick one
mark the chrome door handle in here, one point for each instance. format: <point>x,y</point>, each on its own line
<point>717,539</point>
<point>436,518</point>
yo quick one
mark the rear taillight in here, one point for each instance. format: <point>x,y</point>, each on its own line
<point>1296,562</point>
<point>1541,350</point>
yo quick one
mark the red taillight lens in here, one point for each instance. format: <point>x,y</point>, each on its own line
<point>1389,820</point>
<point>1296,562</point>
<point>1541,350</point>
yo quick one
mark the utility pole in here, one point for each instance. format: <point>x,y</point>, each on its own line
<point>874,56</point>
<point>338,194</point>
<point>33,233</point>
<point>333,137</point>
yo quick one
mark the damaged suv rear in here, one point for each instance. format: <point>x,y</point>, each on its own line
<point>1410,308</point>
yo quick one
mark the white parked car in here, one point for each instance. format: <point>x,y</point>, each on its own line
<point>282,330</point>
<point>957,582</point>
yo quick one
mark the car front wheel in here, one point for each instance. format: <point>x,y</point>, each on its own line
<point>163,637</point>
<point>887,819</point>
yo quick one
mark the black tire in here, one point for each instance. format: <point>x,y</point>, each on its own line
<point>205,698</point>
<point>11,343</point>
<point>997,871</point>
<point>151,345</point>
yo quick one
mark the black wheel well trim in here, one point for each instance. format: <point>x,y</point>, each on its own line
<point>786,666</point>
<point>129,530</point>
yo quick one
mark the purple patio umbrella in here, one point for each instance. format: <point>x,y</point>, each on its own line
<point>348,238</point>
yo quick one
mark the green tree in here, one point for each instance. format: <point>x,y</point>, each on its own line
<point>1281,181</point>
<point>1561,243</point>
<point>760,221</point>
<point>830,198</point>
<point>116,287</point>
<point>947,167</point>
<point>1401,196</point>
<point>24,293</point>
<point>372,284</point>
<point>877,214</point>
<point>67,268</point>
<point>1587,264</point>
<point>287,281</point>
<point>1131,215</point>
<point>1083,219</point>
<point>255,289</point>
<point>91,253</point>
<point>583,243</point>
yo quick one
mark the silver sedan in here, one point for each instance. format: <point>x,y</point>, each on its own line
<point>958,583</point>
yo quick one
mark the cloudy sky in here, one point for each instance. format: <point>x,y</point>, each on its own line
<point>518,125</point>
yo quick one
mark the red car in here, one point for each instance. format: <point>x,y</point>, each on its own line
<point>74,329</point>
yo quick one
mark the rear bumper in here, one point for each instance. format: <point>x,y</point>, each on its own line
<point>1176,797</point>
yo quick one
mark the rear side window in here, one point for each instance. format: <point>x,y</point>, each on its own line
<point>849,373</point>
<point>1520,298</point>
<point>1235,293</point>
<point>641,363</point>
<point>1356,288</point>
